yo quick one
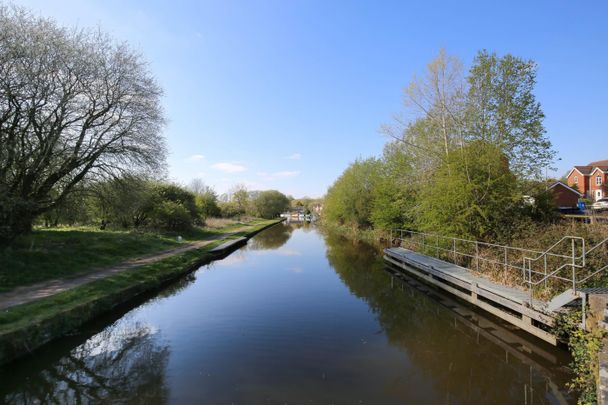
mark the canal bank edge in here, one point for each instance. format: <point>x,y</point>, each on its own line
<point>27,327</point>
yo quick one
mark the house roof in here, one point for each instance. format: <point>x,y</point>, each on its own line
<point>559,183</point>
<point>600,168</point>
<point>584,169</point>
<point>599,163</point>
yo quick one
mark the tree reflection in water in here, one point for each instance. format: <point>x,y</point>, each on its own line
<point>455,360</point>
<point>124,363</point>
<point>272,238</point>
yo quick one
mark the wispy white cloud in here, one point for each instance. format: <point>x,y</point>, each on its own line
<point>197,158</point>
<point>294,156</point>
<point>229,167</point>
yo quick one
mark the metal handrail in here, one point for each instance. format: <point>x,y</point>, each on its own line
<point>593,274</point>
<point>570,238</point>
<point>551,275</point>
<point>597,246</point>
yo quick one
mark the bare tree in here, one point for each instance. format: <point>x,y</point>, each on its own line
<point>437,101</point>
<point>74,106</point>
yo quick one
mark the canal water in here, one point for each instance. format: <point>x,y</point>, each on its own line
<point>298,317</point>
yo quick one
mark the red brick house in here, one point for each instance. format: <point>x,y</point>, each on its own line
<point>590,180</point>
<point>565,197</point>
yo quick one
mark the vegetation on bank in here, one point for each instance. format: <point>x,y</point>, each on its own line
<point>584,347</point>
<point>27,326</point>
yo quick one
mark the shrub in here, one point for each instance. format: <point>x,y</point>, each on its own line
<point>171,216</point>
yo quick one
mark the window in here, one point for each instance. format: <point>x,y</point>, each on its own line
<point>598,181</point>
<point>575,180</point>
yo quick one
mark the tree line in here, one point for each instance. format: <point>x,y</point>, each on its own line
<point>461,166</point>
<point>140,202</point>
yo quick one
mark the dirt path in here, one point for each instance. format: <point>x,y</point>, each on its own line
<point>25,294</point>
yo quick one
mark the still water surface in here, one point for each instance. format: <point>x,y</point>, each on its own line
<point>293,317</point>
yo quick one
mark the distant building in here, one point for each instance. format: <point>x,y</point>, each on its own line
<point>565,197</point>
<point>317,208</point>
<point>590,180</point>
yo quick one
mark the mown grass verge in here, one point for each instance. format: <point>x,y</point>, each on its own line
<point>55,253</point>
<point>26,327</point>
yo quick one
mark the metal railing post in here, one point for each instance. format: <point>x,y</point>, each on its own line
<point>437,246</point>
<point>454,248</point>
<point>545,270</point>
<point>573,266</point>
<point>506,261</point>
<point>530,280</point>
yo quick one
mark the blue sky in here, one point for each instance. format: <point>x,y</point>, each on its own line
<point>284,94</point>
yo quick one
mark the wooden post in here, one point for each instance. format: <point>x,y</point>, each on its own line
<point>474,292</point>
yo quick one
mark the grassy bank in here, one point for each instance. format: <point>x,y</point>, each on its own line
<point>26,327</point>
<point>66,252</point>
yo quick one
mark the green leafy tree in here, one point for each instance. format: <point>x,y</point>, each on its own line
<point>240,199</point>
<point>473,195</point>
<point>180,196</point>
<point>126,201</point>
<point>394,193</point>
<point>502,110</point>
<point>205,198</point>
<point>349,200</point>
<point>270,204</point>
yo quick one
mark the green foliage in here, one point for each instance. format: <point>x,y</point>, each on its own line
<point>349,200</point>
<point>73,209</point>
<point>138,202</point>
<point>502,110</point>
<point>544,209</point>
<point>125,201</point>
<point>584,347</point>
<point>179,196</point>
<point>394,193</point>
<point>207,204</point>
<point>240,199</point>
<point>473,194</point>
<point>171,216</point>
<point>230,210</point>
<point>269,204</point>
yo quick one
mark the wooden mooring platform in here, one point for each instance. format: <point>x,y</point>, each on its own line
<point>508,303</point>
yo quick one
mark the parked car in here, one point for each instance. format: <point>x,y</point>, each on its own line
<point>600,205</point>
